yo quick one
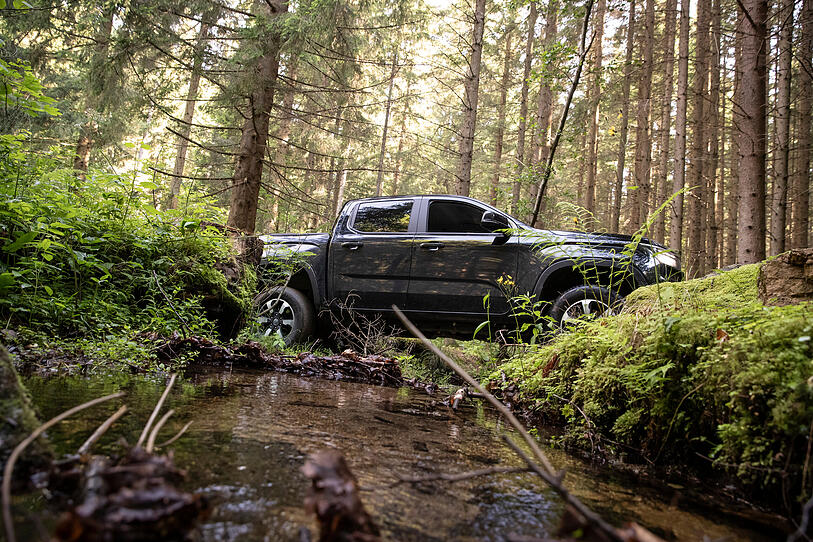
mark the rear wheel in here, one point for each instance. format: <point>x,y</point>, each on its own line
<point>286,313</point>
<point>584,303</point>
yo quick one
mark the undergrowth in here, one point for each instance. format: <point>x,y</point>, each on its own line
<point>95,267</point>
<point>698,372</point>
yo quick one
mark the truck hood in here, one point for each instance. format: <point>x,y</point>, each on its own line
<point>282,243</point>
<point>563,237</point>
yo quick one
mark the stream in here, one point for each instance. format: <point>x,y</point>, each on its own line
<point>251,432</point>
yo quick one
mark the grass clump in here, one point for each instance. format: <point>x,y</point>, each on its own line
<point>692,370</point>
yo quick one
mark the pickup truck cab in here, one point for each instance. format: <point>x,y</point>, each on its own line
<point>450,263</point>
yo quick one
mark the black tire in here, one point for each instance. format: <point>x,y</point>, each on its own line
<point>285,312</point>
<point>584,303</point>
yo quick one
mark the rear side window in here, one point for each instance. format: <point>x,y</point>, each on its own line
<point>383,217</point>
<point>454,217</point>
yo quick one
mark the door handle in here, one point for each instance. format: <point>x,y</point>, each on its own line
<point>432,246</point>
<point>352,245</point>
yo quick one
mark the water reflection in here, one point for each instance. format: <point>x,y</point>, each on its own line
<point>251,432</point>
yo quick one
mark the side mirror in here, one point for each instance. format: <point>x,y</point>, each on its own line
<point>492,222</point>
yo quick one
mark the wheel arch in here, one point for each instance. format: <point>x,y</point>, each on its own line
<point>563,275</point>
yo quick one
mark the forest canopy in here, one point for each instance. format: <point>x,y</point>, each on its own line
<point>276,112</point>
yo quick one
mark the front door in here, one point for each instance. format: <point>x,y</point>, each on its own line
<point>371,255</point>
<point>457,262</point>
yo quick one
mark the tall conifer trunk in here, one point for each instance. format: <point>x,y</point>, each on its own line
<point>643,141</point>
<point>679,176</point>
<point>801,192</point>
<point>189,114</point>
<point>523,107</point>
<point>595,93</point>
<point>380,179</point>
<point>544,109</point>
<point>670,16</point>
<point>782,153</point>
<point>695,172</point>
<point>615,218</point>
<point>498,138</point>
<point>712,220</point>
<point>472,89</point>
<point>248,170</point>
<point>750,118</point>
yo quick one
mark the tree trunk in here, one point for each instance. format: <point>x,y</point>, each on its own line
<point>733,191</point>
<point>498,139</point>
<point>750,117</point>
<point>248,171</point>
<point>523,107</point>
<point>615,218</point>
<point>679,175</point>
<point>472,88</point>
<point>544,106</point>
<point>396,175</point>
<point>670,17</point>
<point>712,220</point>
<point>694,172</point>
<point>380,180</point>
<point>86,133</point>
<point>782,124</point>
<point>189,114</point>
<point>801,192</point>
<point>595,94</point>
<point>643,142</point>
<point>281,146</point>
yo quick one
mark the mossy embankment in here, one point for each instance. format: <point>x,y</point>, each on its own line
<point>699,373</point>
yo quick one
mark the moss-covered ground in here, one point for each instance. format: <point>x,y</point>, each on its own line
<point>698,373</point>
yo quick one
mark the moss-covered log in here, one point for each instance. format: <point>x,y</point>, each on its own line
<point>699,372</point>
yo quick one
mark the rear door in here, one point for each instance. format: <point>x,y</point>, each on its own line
<point>371,254</point>
<point>456,262</point>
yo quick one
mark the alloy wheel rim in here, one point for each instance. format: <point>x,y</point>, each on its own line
<point>276,317</point>
<point>585,309</point>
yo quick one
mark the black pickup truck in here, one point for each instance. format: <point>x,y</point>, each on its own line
<point>450,263</point>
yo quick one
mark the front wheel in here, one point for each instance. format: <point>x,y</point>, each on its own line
<point>286,313</point>
<point>584,303</point>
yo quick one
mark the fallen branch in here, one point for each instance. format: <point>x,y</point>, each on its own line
<point>85,448</point>
<point>176,437</point>
<point>556,483</point>
<point>154,433</point>
<point>541,457</point>
<point>155,411</point>
<point>547,474</point>
<point>15,454</point>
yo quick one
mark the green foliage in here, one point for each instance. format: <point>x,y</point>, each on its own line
<point>95,259</point>
<point>700,367</point>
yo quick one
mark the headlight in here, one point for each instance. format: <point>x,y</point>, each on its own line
<point>668,259</point>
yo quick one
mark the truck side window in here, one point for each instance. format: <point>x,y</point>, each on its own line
<point>454,217</point>
<point>383,217</point>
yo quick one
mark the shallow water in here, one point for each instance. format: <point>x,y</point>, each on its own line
<point>251,432</point>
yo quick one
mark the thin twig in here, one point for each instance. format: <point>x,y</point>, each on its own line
<point>15,454</point>
<point>547,473</point>
<point>171,306</point>
<point>176,437</point>
<point>155,411</point>
<point>151,441</point>
<point>85,448</point>
<point>556,483</point>
<point>490,398</point>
